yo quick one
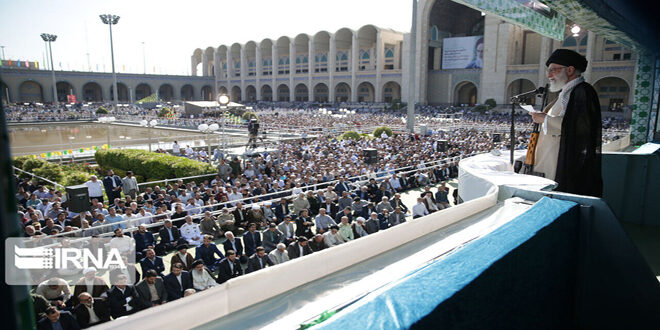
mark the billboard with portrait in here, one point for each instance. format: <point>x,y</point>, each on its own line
<point>463,53</point>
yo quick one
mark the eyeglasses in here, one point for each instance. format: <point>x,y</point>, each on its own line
<point>555,70</point>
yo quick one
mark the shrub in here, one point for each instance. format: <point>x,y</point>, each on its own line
<point>379,131</point>
<point>249,115</point>
<point>150,165</point>
<point>75,178</point>
<point>31,164</point>
<point>20,160</point>
<point>50,171</point>
<point>350,135</point>
<point>101,111</point>
<point>490,103</point>
<point>480,108</point>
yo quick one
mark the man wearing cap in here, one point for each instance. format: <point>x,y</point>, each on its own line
<point>569,146</point>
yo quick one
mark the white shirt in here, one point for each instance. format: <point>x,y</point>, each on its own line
<point>95,189</point>
<point>419,210</point>
<point>190,231</point>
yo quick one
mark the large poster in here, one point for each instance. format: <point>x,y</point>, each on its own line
<point>463,53</point>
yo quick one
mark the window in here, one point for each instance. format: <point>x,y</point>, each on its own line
<point>623,89</point>
<point>626,56</point>
<point>616,57</point>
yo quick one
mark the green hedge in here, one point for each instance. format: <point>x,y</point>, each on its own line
<point>151,165</point>
<point>66,175</point>
<point>350,135</point>
<point>379,131</point>
<point>101,111</point>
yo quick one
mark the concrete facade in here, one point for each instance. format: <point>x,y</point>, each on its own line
<point>28,85</point>
<point>346,66</point>
<point>513,61</point>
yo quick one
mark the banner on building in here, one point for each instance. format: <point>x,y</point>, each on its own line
<point>71,98</point>
<point>463,53</point>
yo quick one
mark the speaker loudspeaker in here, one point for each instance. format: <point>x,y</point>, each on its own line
<point>78,198</point>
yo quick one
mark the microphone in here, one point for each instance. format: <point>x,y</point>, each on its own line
<point>537,91</point>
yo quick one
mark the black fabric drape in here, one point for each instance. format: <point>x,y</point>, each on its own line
<point>579,161</point>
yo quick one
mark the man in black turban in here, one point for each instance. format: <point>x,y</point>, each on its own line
<point>569,145</point>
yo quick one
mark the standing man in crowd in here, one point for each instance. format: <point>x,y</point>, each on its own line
<point>94,189</point>
<point>130,185</point>
<point>569,145</point>
<point>113,185</point>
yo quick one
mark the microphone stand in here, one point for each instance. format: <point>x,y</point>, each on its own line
<point>515,100</point>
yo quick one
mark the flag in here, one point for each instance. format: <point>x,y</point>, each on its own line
<point>97,67</point>
<point>49,154</point>
<point>43,155</point>
<point>87,149</point>
<point>60,65</point>
<point>70,151</point>
<point>36,65</point>
<point>65,152</point>
<point>9,62</point>
<point>123,68</point>
<point>27,64</point>
<point>81,150</point>
<point>18,63</point>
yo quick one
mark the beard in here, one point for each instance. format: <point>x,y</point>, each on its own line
<point>560,81</point>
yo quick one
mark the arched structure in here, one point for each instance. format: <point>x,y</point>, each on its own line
<point>266,93</point>
<point>235,54</point>
<point>166,92</point>
<point>187,92</point>
<point>321,93</point>
<point>343,49</point>
<point>465,93</point>
<point>342,92</point>
<point>366,92</point>
<point>283,55</point>
<point>207,59</point>
<point>236,94</point>
<point>266,47</point>
<point>520,86</point>
<point>367,36</point>
<point>221,62</point>
<point>30,91</point>
<point>64,88</point>
<point>223,91</point>
<point>321,51</point>
<point>92,92</point>
<point>123,95</point>
<point>301,93</point>
<point>391,92</point>
<point>251,60</point>
<point>207,93</point>
<point>613,93</point>
<point>5,94</point>
<point>195,60</point>
<point>250,93</point>
<point>283,93</point>
<point>142,90</point>
<point>301,44</point>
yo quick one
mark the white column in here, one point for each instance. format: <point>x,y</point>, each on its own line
<point>259,68</point>
<point>292,70</point>
<point>496,48</point>
<point>332,53</point>
<point>591,42</point>
<point>193,65</point>
<point>205,65</point>
<point>275,56</point>
<point>230,70</point>
<point>311,61</point>
<point>216,69</point>
<point>243,72</point>
<point>355,47</point>
<point>380,54</point>
<point>544,53</point>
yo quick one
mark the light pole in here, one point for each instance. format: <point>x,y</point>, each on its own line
<point>3,52</point>
<point>223,100</point>
<point>107,120</point>
<point>112,20</point>
<point>149,125</point>
<point>49,38</point>
<point>207,129</point>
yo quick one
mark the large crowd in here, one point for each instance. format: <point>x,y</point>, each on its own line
<point>309,195</point>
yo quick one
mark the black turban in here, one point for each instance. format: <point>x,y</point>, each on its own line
<point>568,57</point>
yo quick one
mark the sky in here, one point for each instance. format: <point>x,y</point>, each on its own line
<point>171,30</point>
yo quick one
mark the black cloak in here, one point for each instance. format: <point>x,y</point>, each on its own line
<point>579,161</point>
